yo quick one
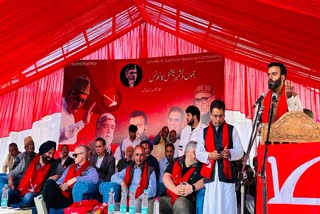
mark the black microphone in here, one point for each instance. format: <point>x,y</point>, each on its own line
<point>274,98</point>
<point>262,96</point>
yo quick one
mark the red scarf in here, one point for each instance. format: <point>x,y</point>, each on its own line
<point>177,179</point>
<point>207,169</point>
<point>143,181</point>
<point>73,172</point>
<point>33,176</point>
<point>282,105</point>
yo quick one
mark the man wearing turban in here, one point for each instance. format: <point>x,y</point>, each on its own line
<point>34,174</point>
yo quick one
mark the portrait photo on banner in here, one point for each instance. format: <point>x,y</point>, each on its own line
<point>101,98</point>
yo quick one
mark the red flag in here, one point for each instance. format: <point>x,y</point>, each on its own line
<point>292,173</point>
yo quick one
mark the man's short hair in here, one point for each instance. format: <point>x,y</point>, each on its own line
<point>65,145</point>
<point>102,140</point>
<point>145,142</point>
<point>177,109</point>
<point>219,104</point>
<point>133,128</point>
<point>193,110</point>
<point>169,145</point>
<point>191,145</point>
<point>283,69</point>
<point>13,145</point>
<point>139,113</point>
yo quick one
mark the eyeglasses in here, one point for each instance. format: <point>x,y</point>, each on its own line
<point>201,100</point>
<point>76,154</point>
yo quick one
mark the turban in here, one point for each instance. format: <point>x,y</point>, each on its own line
<point>45,147</point>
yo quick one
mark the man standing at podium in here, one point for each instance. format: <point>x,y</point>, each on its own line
<point>285,98</point>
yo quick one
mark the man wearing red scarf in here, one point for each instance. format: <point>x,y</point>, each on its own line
<point>42,167</point>
<point>58,194</point>
<point>286,98</point>
<point>182,179</point>
<point>138,177</point>
<point>220,147</point>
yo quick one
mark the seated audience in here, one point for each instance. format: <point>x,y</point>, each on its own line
<point>102,160</point>
<point>58,194</point>
<point>35,173</point>
<point>182,179</point>
<point>138,177</point>
<point>13,153</point>
<point>65,160</point>
<point>124,162</point>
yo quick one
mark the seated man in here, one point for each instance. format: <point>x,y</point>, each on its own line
<point>124,162</point>
<point>12,155</point>
<point>65,160</point>
<point>182,179</point>
<point>139,177</point>
<point>41,167</point>
<point>163,164</point>
<point>150,159</point>
<point>58,194</point>
<point>102,160</point>
<point>28,154</point>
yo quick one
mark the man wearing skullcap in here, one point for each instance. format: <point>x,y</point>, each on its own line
<point>42,167</point>
<point>28,154</point>
<point>72,103</point>
<point>203,96</point>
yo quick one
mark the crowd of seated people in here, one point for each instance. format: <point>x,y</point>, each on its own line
<point>175,180</point>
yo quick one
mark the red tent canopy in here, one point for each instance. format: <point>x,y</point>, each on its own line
<point>37,37</point>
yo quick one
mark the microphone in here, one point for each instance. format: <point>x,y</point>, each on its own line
<point>262,96</point>
<point>274,98</point>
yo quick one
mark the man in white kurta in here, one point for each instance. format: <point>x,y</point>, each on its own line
<point>72,103</point>
<point>194,129</point>
<point>220,194</point>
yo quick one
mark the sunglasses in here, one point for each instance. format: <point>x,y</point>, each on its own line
<point>76,154</point>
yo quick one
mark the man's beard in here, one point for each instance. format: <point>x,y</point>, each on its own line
<point>108,139</point>
<point>191,122</point>
<point>46,159</point>
<point>274,84</point>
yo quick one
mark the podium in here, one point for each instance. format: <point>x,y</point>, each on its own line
<point>292,166</point>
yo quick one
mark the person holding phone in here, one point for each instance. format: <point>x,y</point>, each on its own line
<point>220,145</point>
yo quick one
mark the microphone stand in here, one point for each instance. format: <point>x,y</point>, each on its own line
<point>243,175</point>
<point>263,167</point>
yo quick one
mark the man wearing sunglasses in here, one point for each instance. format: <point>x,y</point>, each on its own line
<point>58,194</point>
<point>72,103</point>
